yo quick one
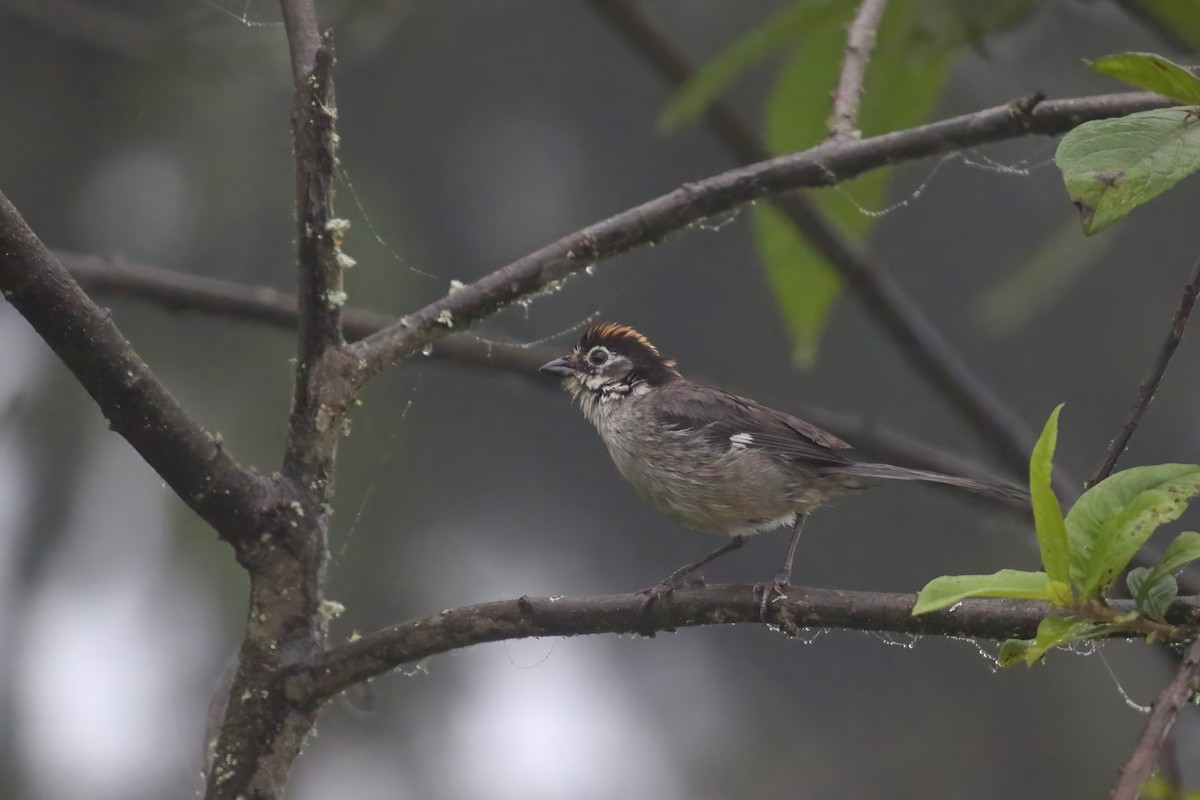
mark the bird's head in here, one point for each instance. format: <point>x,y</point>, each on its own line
<point>609,361</point>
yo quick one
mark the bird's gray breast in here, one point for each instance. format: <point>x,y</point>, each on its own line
<point>726,486</point>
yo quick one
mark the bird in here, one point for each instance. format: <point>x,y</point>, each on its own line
<point>713,461</point>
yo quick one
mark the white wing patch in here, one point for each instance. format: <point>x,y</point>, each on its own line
<point>740,441</point>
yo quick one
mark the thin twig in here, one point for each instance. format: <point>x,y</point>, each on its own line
<point>860,38</point>
<point>1149,384</point>
<point>654,220</point>
<point>340,667</point>
<point>1179,691</point>
<point>181,291</point>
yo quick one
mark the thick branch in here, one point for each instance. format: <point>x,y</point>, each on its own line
<point>871,281</point>
<point>1179,691</point>
<point>341,667</point>
<point>1150,383</point>
<point>262,733</point>
<point>654,220</point>
<point>136,405</point>
<point>860,38</point>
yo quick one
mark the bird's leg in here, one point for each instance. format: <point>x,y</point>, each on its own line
<point>783,578</point>
<point>676,578</point>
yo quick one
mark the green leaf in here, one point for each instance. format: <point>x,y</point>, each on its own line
<point>1047,515</point>
<point>1159,787</point>
<point>1154,589</point>
<point>1053,631</point>
<point>1152,73</point>
<point>1057,631</point>
<point>903,81</point>
<point>781,30</point>
<point>1115,517</point>
<point>1181,552</point>
<point>1152,592</point>
<point>805,286</point>
<point>1112,166</point>
<point>1012,652</point>
<point>949,589</point>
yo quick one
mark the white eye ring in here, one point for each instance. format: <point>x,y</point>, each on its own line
<point>598,356</point>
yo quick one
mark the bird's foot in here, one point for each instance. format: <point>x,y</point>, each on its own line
<point>660,590</point>
<point>770,591</point>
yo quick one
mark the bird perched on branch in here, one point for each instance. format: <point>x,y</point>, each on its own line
<point>711,460</point>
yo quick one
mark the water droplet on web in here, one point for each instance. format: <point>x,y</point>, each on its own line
<point>907,641</point>
<point>810,635</point>
<point>717,221</point>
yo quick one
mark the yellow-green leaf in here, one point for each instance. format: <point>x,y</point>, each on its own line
<point>1047,514</point>
<point>950,589</point>
<point>1152,73</point>
<point>1115,517</point>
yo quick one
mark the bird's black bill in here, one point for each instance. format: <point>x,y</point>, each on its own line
<point>559,366</point>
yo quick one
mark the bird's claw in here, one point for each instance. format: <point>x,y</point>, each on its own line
<point>769,590</point>
<point>668,585</point>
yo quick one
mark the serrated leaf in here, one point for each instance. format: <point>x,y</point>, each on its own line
<point>1115,517</point>
<point>1047,514</point>
<point>1112,166</point>
<point>1152,592</point>
<point>902,84</point>
<point>950,589</point>
<point>1152,73</point>
<point>782,30</point>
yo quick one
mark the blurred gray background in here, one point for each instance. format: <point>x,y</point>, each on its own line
<point>473,132</point>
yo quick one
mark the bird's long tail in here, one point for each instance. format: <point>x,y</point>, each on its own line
<point>1008,494</point>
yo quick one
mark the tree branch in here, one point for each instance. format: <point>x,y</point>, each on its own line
<point>110,275</point>
<point>321,396</point>
<point>261,733</point>
<point>137,406</point>
<point>1149,385</point>
<point>1180,690</point>
<point>339,668</point>
<point>652,221</point>
<point>860,38</point>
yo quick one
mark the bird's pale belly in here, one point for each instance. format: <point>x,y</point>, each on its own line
<point>734,493</point>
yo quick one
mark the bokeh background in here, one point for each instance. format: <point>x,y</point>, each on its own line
<point>474,132</point>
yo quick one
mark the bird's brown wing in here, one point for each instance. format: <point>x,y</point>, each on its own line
<point>724,419</point>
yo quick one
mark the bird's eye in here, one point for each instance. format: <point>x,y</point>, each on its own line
<point>598,356</point>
